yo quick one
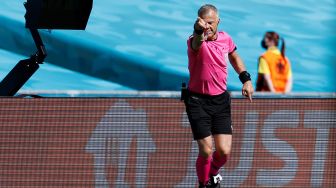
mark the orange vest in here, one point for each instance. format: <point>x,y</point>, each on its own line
<point>279,69</point>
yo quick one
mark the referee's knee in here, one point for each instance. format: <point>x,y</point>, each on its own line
<point>223,151</point>
<point>205,152</point>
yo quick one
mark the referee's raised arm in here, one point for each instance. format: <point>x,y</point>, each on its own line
<point>198,37</point>
<point>205,28</point>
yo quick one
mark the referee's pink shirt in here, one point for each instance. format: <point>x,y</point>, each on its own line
<point>208,65</point>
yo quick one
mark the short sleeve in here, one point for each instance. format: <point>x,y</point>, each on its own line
<point>190,49</point>
<point>263,67</point>
<point>189,44</point>
<point>192,54</point>
<point>232,45</point>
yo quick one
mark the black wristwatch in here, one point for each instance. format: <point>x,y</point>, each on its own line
<point>244,77</point>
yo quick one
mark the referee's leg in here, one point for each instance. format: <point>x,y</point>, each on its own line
<point>203,162</point>
<point>200,123</point>
<point>219,157</point>
<point>223,144</point>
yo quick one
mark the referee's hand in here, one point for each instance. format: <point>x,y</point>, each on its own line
<point>247,90</point>
<point>200,24</point>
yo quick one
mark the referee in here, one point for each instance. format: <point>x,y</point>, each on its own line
<point>208,101</point>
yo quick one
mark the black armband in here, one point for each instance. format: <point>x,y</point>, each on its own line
<point>244,77</point>
<point>198,32</point>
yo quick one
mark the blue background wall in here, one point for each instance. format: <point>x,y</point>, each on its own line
<point>141,45</point>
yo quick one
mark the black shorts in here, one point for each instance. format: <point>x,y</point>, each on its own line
<point>209,115</point>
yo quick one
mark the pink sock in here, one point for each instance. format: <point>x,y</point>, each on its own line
<point>217,162</point>
<point>203,168</point>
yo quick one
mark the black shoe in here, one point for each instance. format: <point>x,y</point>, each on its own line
<point>215,181</point>
<point>208,185</point>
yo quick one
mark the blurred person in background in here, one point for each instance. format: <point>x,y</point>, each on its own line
<point>208,103</point>
<point>274,69</point>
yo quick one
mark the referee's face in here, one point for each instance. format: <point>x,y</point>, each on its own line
<point>212,21</point>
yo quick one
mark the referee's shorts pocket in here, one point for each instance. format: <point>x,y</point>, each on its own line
<point>193,107</point>
<point>199,120</point>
